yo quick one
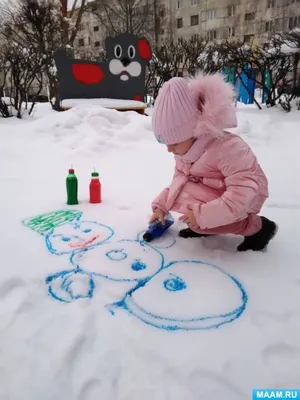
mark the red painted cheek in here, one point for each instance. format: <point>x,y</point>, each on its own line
<point>144,49</point>
<point>88,74</point>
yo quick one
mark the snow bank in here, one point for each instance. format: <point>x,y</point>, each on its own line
<point>107,103</point>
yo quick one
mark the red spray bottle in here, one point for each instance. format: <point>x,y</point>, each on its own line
<point>95,188</point>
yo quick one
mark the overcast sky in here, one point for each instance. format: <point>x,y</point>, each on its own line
<point>2,2</point>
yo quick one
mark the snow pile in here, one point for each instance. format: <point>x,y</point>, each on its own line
<point>107,103</point>
<point>89,311</point>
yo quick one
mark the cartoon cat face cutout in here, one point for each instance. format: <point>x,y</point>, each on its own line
<point>127,55</point>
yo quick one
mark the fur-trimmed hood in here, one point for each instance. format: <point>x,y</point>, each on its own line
<point>195,107</point>
<point>214,100</point>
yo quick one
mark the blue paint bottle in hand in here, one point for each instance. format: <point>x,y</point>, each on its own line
<point>156,229</point>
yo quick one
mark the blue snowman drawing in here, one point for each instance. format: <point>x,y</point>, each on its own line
<point>178,295</point>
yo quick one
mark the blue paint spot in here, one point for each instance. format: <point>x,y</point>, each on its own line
<point>174,284</point>
<point>116,255</point>
<point>65,239</point>
<point>138,265</point>
<point>87,231</point>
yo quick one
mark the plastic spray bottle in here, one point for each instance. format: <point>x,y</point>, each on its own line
<point>95,188</point>
<point>156,229</point>
<point>72,188</point>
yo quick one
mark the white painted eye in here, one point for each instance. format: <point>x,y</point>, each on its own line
<point>131,51</point>
<point>118,51</point>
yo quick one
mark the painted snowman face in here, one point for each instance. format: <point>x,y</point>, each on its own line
<point>124,260</point>
<point>77,236</point>
<point>188,295</point>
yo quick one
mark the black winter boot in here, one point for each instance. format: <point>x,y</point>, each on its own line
<point>260,240</point>
<point>188,233</point>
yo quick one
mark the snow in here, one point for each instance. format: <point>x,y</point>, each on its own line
<point>68,333</point>
<point>107,103</point>
<point>289,48</point>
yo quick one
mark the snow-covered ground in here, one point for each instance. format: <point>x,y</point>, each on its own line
<point>125,320</point>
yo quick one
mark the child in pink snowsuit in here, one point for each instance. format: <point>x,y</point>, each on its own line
<point>218,184</point>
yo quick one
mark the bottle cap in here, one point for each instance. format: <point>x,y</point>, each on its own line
<point>95,174</point>
<point>147,237</point>
<point>71,171</point>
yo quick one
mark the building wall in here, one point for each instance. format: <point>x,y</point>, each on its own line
<point>91,36</point>
<point>240,19</point>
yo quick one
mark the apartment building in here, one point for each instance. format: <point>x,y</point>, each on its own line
<point>91,36</point>
<point>234,19</point>
<point>92,32</point>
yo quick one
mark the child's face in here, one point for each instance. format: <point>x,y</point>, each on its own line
<point>180,148</point>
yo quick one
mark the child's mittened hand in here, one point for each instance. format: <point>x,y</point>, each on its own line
<point>158,214</point>
<point>189,218</point>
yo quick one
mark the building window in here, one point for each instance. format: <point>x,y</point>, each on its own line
<point>194,38</point>
<point>248,38</point>
<point>162,31</point>
<point>96,28</point>
<point>294,22</point>
<point>81,27</point>
<point>269,26</point>
<point>179,23</point>
<point>194,3</point>
<point>231,11</point>
<point>211,35</point>
<point>89,40</point>
<point>271,4</point>
<point>194,20</point>
<point>97,44</point>
<point>211,14</point>
<point>81,42</point>
<point>278,24</point>
<point>179,4</point>
<point>162,13</point>
<point>231,31</point>
<point>249,16</point>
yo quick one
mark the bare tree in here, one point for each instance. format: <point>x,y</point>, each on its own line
<point>139,17</point>
<point>70,19</point>
<point>25,67</point>
<point>45,25</point>
<point>291,42</point>
<point>171,60</point>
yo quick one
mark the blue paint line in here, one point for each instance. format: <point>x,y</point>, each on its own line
<point>161,325</point>
<point>77,254</point>
<point>67,278</point>
<point>177,324</point>
<point>116,255</point>
<point>152,244</point>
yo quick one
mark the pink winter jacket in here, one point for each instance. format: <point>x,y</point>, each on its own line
<point>226,183</point>
<point>223,186</point>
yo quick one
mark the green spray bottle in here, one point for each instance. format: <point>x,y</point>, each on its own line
<point>72,188</point>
